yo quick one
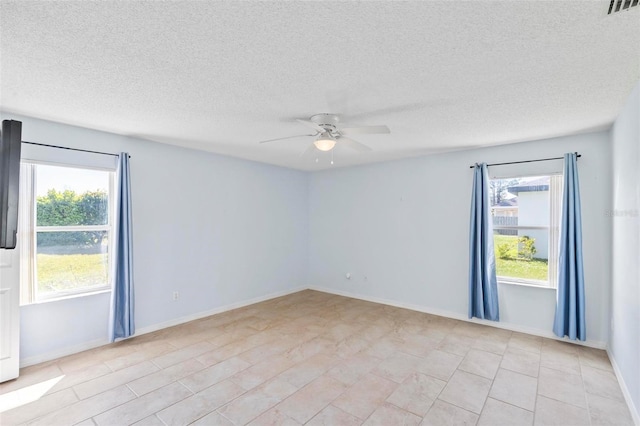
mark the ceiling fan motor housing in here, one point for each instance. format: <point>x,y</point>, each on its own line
<point>328,121</point>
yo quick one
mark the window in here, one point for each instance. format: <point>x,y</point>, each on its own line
<point>526,215</point>
<point>65,230</point>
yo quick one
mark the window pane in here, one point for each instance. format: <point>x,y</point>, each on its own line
<point>516,256</point>
<point>521,253</point>
<point>68,261</point>
<point>69,196</point>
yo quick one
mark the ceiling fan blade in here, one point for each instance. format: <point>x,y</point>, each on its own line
<point>287,137</point>
<point>311,124</point>
<point>364,130</point>
<point>308,151</point>
<point>360,147</point>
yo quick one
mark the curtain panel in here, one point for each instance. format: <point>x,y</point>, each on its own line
<point>121,322</point>
<point>483,288</point>
<point>570,300</point>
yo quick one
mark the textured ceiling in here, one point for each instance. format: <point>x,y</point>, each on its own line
<point>220,76</point>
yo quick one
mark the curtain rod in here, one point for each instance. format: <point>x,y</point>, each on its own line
<point>73,149</point>
<point>528,161</point>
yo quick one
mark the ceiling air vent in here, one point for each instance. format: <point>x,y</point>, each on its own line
<point>620,5</point>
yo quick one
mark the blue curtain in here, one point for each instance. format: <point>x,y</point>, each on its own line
<point>569,320</point>
<point>483,288</point>
<point>121,322</point>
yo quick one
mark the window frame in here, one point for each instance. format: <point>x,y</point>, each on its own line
<point>28,278</point>
<point>551,281</point>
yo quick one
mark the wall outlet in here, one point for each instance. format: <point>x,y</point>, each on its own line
<point>176,295</point>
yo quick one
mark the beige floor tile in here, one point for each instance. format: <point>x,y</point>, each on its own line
<point>456,344</point>
<point>33,375</point>
<point>601,383</point>
<point>596,358</point>
<point>440,365</point>
<point>82,410</point>
<point>481,363</point>
<point>388,414</point>
<point>308,401</point>
<point>562,386</point>
<point>417,393</point>
<point>494,344</point>
<point>147,421</point>
<point>350,346</point>
<point>469,329</point>
<point>278,388</point>
<point>308,370</point>
<point>248,406</point>
<point>310,348</point>
<point>143,354</point>
<point>109,381</point>
<point>442,413</point>
<point>80,376</point>
<point>525,342</point>
<point>211,419</point>
<point>350,370</point>
<point>420,344</point>
<point>382,349</point>
<point>214,374</point>
<point>165,376</point>
<point>364,397</point>
<point>521,361</point>
<point>498,413</point>
<point>262,371</point>
<point>268,350</point>
<point>331,416</point>
<point>274,417</point>
<point>397,367</point>
<point>144,406</point>
<point>515,388</point>
<point>467,391</point>
<point>84,360</point>
<point>559,346</point>
<point>25,411</point>
<point>171,358</point>
<point>235,348</point>
<point>200,404</point>
<point>551,412</point>
<point>560,360</point>
<point>605,411</point>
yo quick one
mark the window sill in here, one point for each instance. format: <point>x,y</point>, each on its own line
<point>68,296</point>
<point>525,284</point>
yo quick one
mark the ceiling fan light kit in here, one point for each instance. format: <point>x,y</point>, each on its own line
<point>329,133</point>
<point>325,142</point>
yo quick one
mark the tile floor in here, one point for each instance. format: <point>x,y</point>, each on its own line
<point>320,359</point>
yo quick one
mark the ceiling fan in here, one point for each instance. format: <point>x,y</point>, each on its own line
<point>328,133</point>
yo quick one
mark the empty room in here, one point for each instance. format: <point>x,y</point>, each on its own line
<point>322,213</point>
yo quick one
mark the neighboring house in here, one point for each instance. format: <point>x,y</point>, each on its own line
<point>533,210</point>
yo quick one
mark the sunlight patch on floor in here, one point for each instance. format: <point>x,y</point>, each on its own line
<point>27,394</point>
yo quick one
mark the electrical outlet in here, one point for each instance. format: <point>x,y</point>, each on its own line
<point>176,295</point>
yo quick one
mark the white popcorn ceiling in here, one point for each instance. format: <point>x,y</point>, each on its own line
<point>221,76</point>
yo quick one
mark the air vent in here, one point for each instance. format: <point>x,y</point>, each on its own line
<point>621,5</point>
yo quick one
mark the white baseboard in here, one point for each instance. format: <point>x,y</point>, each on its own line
<point>635,412</point>
<point>85,346</point>
<point>461,317</point>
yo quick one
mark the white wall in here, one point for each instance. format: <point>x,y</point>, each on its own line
<point>219,230</point>
<point>624,344</point>
<point>404,225</point>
